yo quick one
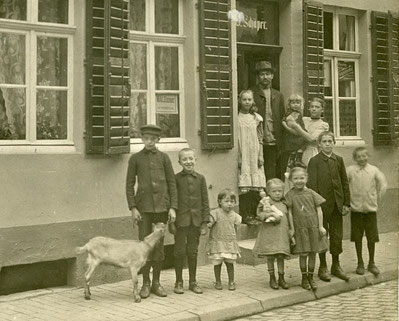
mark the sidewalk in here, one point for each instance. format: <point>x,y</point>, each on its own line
<point>253,295</point>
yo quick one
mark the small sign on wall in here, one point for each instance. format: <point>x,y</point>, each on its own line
<point>167,104</point>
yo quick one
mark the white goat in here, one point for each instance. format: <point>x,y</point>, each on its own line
<point>121,253</point>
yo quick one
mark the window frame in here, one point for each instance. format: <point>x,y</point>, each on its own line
<point>152,39</point>
<point>31,28</point>
<point>334,56</point>
<point>335,98</point>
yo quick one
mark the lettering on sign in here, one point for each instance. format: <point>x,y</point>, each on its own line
<point>245,21</point>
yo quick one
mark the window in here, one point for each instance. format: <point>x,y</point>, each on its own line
<point>341,61</point>
<point>156,61</point>
<point>36,72</point>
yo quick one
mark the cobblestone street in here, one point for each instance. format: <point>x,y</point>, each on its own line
<point>378,302</point>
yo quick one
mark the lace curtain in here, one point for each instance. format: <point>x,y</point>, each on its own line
<point>12,100</point>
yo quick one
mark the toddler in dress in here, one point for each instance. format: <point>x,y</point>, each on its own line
<point>273,239</point>
<point>222,244</point>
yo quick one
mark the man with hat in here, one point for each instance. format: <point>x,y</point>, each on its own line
<point>155,200</point>
<point>270,105</point>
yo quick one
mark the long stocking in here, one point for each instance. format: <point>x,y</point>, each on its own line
<point>358,246</point>
<point>217,269</point>
<point>371,247</point>
<point>230,271</point>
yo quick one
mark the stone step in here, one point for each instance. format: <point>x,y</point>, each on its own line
<point>247,256</point>
<point>245,232</point>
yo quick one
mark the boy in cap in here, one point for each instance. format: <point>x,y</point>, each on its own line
<point>155,200</point>
<point>270,104</point>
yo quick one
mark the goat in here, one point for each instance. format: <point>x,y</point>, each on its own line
<point>130,254</point>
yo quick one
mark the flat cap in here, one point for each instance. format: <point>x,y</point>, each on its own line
<point>264,65</point>
<point>151,129</point>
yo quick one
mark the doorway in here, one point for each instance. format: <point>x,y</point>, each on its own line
<point>248,55</point>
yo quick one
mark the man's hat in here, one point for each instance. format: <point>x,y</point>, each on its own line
<point>264,65</point>
<point>151,129</point>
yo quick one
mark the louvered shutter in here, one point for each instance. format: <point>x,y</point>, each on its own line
<point>313,50</point>
<point>385,57</point>
<point>107,77</point>
<point>215,75</point>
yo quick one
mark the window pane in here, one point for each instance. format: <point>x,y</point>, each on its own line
<point>347,118</point>
<point>55,11</point>
<point>12,58</point>
<point>346,79</point>
<point>51,114</point>
<point>328,30</point>
<point>328,113</point>
<point>138,113</point>
<point>167,112</point>
<point>167,16</point>
<point>346,32</point>
<point>12,113</point>
<point>138,65</point>
<point>52,61</point>
<point>166,68</point>
<point>13,9</point>
<point>327,78</point>
<point>137,15</point>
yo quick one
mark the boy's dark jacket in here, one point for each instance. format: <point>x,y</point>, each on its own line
<point>193,203</point>
<point>328,178</point>
<point>156,190</point>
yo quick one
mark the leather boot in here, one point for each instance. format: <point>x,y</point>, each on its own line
<point>305,282</point>
<point>324,275</point>
<point>337,271</point>
<point>312,282</point>
<point>281,281</point>
<point>273,284</point>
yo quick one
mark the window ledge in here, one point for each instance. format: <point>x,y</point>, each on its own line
<point>37,149</point>
<point>349,142</point>
<point>342,54</point>
<point>162,146</point>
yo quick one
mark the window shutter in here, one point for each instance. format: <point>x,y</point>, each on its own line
<point>313,48</point>
<point>107,77</point>
<point>215,75</point>
<point>385,57</point>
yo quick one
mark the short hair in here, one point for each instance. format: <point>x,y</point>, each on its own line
<point>297,169</point>
<point>326,133</point>
<point>186,149</point>
<point>318,100</point>
<point>227,192</point>
<point>294,97</point>
<point>253,107</point>
<point>357,150</point>
<point>273,181</point>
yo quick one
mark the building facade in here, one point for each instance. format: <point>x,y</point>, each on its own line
<point>79,78</point>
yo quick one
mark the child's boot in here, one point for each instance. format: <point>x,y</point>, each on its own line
<point>298,159</point>
<point>281,281</point>
<point>273,284</point>
<point>305,281</point>
<point>360,268</point>
<point>312,282</point>
<point>291,161</point>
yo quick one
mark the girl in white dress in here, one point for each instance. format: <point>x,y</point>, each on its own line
<point>250,157</point>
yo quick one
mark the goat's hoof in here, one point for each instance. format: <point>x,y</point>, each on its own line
<point>137,299</point>
<point>87,297</point>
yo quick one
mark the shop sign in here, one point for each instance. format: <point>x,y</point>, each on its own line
<point>167,104</point>
<point>245,21</point>
<point>256,21</point>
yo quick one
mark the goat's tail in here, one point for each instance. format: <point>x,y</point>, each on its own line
<point>81,249</point>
